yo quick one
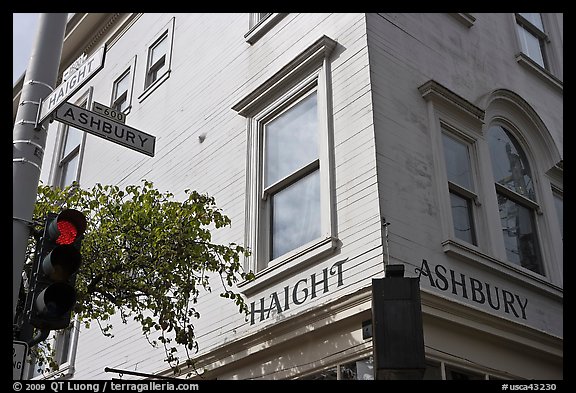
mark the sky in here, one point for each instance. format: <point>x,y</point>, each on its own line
<point>23,34</point>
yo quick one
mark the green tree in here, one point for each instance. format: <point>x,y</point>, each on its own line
<point>148,257</point>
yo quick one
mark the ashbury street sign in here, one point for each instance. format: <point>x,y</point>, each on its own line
<point>106,128</point>
<point>72,84</point>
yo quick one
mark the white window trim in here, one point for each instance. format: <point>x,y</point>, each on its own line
<point>263,26</point>
<point>131,67</point>
<point>55,178</point>
<point>67,368</point>
<point>546,74</point>
<point>167,30</point>
<point>448,112</point>
<point>308,71</point>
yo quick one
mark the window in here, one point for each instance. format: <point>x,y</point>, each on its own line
<point>289,214</point>
<point>291,177</point>
<point>559,204</point>
<point>516,199</point>
<point>256,18</point>
<point>63,346</point>
<point>157,63</point>
<point>461,187</point>
<point>69,157</point>
<point>120,92</point>
<point>532,37</point>
<point>159,57</point>
<point>359,370</point>
<point>260,23</point>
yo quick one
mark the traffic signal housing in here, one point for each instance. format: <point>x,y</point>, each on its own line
<point>53,294</point>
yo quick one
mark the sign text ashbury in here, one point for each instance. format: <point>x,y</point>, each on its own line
<point>103,127</point>
<point>470,288</point>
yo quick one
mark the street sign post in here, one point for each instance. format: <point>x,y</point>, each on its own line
<point>61,93</point>
<point>20,349</point>
<point>106,128</point>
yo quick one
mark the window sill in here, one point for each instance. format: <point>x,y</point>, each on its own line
<point>524,276</point>
<point>466,19</point>
<point>65,371</point>
<point>289,264</point>
<point>153,86</point>
<point>263,27</point>
<point>536,69</point>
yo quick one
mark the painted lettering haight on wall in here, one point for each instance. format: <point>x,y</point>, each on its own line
<point>478,291</point>
<point>306,288</point>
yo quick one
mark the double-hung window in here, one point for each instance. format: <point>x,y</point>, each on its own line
<point>532,37</point>
<point>120,92</point>
<point>516,199</point>
<point>290,206</point>
<point>292,177</point>
<point>158,59</point>
<point>461,187</point>
<point>68,170</point>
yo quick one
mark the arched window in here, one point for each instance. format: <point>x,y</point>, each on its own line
<point>516,199</point>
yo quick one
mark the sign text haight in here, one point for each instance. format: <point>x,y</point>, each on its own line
<point>73,82</point>
<point>306,288</point>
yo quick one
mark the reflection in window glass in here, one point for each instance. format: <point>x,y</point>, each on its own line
<point>69,171</point>
<point>462,218</point>
<point>120,99</point>
<point>72,141</point>
<point>559,203</point>
<point>519,234</point>
<point>291,140</point>
<point>157,60</point>
<point>296,215</point>
<point>360,370</point>
<point>509,163</point>
<point>457,162</point>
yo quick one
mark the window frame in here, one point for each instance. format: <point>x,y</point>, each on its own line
<point>471,196</point>
<point>130,69</point>
<point>551,72</point>
<point>61,164</point>
<point>66,367</point>
<point>167,32</point>
<point>308,72</point>
<point>257,29</point>
<point>519,199</point>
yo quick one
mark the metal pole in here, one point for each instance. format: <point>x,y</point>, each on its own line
<point>28,144</point>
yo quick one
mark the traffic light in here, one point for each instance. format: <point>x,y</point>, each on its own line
<point>53,293</point>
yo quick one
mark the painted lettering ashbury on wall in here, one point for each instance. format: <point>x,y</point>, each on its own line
<point>472,289</point>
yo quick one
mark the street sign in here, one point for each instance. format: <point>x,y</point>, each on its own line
<point>20,349</point>
<point>106,128</point>
<point>61,93</point>
<point>110,113</point>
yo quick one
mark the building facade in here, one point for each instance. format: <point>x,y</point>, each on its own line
<point>337,144</point>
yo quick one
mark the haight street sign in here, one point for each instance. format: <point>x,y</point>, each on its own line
<point>106,128</point>
<point>74,82</point>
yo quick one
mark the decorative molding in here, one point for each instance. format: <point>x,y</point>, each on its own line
<point>435,92</point>
<point>542,73</point>
<point>464,18</point>
<point>311,56</point>
<point>510,272</point>
<point>262,27</point>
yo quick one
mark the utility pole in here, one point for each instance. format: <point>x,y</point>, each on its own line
<point>28,143</point>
